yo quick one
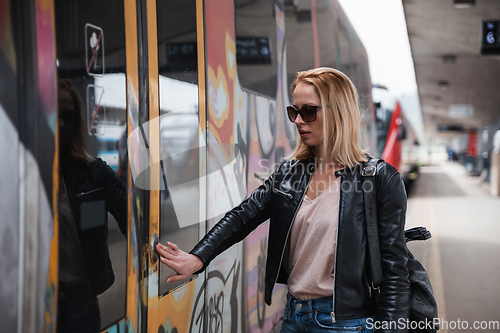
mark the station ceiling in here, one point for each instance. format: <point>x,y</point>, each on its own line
<point>451,74</point>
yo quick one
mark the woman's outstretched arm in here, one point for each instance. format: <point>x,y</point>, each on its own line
<point>232,228</point>
<point>184,264</point>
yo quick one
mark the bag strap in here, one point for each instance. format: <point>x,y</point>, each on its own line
<point>369,195</point>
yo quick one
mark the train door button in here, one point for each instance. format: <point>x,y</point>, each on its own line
<point>154,240</point>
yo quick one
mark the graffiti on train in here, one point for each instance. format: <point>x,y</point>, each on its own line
<point>261,283</point>
<point>207,315</point>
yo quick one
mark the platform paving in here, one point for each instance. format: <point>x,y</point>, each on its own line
<point>463,256</point>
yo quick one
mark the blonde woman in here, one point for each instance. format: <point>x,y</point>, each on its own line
<point>317,234</point>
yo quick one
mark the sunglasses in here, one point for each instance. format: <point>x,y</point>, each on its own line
<point>307,112</point>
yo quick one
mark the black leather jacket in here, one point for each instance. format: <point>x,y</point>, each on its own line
<point>84,179</point>
<point>278,198</point>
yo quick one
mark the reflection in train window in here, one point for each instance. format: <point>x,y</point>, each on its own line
<point>90,46</point>
<point>177,42</point>
<point>256,56</point>
<point>179,127</point>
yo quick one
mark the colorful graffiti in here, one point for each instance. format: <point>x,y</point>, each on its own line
<point>211,311</point>
<point>254,129</point>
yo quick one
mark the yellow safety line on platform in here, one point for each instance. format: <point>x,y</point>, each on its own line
<point>435,258</point>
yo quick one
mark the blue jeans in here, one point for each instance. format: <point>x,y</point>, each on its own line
<point>78,311</point>
<point>314,316</point>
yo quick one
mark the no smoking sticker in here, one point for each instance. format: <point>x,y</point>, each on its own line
<point>94,50</point>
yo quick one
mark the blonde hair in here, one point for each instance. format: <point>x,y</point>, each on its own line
<point>341,118</point>
<point>78,145</point>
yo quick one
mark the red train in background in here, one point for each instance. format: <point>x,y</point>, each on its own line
<point>397,142</point>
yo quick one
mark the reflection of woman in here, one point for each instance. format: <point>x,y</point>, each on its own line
<point>317,233</point>
<point>86,185</point>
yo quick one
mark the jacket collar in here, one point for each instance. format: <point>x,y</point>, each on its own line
<point>355,169</point>
<point>310,167</point>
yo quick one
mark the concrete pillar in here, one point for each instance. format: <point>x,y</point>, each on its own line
<point>495,174</point>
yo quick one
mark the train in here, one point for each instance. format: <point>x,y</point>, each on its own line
<point>396,139</point>
<point>186,100</point>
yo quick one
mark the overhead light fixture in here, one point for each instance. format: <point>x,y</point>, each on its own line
<point>449,58</point>
<point>450,128</point>
<point>461,110</point>
<point>443,85</point>
<point>461,4</point>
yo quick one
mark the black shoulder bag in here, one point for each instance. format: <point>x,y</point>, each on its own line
<point>423,307</point>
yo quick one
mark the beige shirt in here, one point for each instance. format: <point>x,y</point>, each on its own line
<point>311,248</point>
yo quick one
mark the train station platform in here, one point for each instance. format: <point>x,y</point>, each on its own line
<point>462,257</point>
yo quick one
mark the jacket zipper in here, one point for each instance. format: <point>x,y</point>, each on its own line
<point>290,227</point>
<point>335,258</point>
<point>288,195</point>
<point>367,283</point>
<point>79,195</point>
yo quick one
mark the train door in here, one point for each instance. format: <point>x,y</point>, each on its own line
<point>138,69</point>
<point>177,117</point>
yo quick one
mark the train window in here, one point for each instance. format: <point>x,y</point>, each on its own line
<point>345,50</point>
<point>327,34</point>
<point>299,41</point>
<point>177,42</point>
<point>179,127</point>
<point>384,116</point>
<point>362,80</point>
<point>256,45</point>
<point>90,44</point>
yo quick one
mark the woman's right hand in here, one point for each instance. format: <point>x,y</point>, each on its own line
<point>184,264</point>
